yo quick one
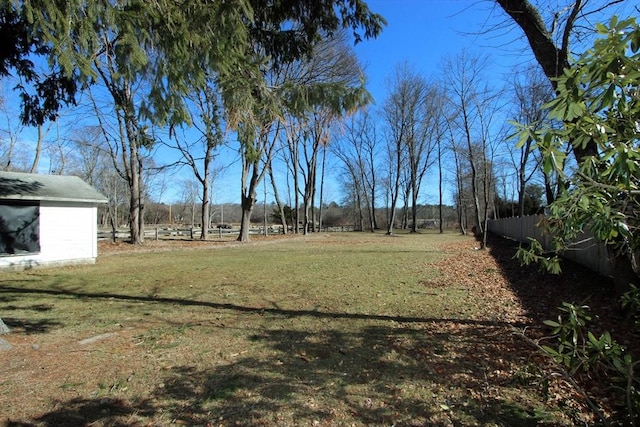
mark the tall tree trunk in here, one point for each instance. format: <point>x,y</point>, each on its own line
<point>359,215</point>
<point>552,58</point>
<point>296,191</point>
<point>141,198</point>
<point>414,208</point>
<point>206,208</point>
<point>440,186</point>
<point>247,204</point>
<point>250,181</point>
<point>281,210</point>
<point>395,191</point>
<point>36,158</point>
<point>206,193</point>
<point>460,198</point>
<point>309,192</point>
<point>474,173</point>
<point>373,188</point>
<point>132,175</point>
<point>324,158</point>
<point>521,188</point>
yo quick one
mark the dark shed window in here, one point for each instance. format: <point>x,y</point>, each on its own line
<point>19,228</point>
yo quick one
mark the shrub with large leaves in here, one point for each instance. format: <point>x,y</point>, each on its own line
<point>598,102</point>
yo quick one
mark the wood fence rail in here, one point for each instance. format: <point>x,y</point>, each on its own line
<point>158,233</point>
<point>584,250</point>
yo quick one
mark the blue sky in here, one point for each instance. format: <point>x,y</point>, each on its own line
<point>422,33</point>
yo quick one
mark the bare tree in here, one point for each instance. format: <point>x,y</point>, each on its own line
<point>199,155</point>
<point>9,139</point>
<point>441,128</point>
<point>190,195</point>
<point>126,136</point>
<point>321,91</point>
<point>474,105</point>
<point>422,143</point>
<point>95,166</point>
<point>359,151</point>
<point>403,122</point>
<point>462,75</point>
<point>16,154</point>
<point>491,137</point>
<point>318,133</point>
<point>258,147</point>
<point>531,92</point>
<point>279,204</point>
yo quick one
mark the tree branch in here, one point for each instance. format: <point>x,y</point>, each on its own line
<point>551,59</point>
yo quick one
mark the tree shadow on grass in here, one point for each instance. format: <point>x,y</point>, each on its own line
<point>88,412</point>
<point>28,326</point>
<point>430,373</point>
<point>542,293</point>
<point>394,370</point>
<point>403,375</point>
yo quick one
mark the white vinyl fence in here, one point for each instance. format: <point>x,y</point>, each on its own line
<point>585,250</point>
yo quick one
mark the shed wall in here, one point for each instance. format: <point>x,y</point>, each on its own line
<point>68,235</point>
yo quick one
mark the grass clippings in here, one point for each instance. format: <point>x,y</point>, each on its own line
<point>325,330</point>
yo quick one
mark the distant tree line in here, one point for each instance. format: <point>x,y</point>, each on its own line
<point>334,215</point>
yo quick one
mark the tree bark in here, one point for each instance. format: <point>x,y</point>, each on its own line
<point>552,58</point>
<point>206,192</point>
<point>250,181</point>
<point>247,204</point>
<point>395,189</point>
<point>322,174</point>
<point>36,158</point>
<point>281,210</point>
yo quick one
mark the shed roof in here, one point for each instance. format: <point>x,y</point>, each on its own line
<point>28,186</point>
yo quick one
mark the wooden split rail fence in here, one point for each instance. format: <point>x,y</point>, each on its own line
<point>159,233</point>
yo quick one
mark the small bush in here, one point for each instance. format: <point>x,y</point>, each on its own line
<point>580,351</point>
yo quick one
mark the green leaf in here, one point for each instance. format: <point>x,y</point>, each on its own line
<point>551,323</point>
<point>635,42</point>
<point>575,110</point>
<point>584,202</point>
<point>550,351</point>
<point>607,97</point>
<point>601,28</point>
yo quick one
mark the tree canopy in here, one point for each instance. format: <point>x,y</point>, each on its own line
<point>178,43</point>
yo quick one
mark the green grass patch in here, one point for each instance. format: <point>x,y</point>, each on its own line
<point>332,329</point>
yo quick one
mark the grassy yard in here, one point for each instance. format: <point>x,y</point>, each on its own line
<point>332,329</point>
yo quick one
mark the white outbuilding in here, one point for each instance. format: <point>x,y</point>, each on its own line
<point>47,220</point>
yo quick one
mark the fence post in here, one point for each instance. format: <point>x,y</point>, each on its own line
<point>156,233</point>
